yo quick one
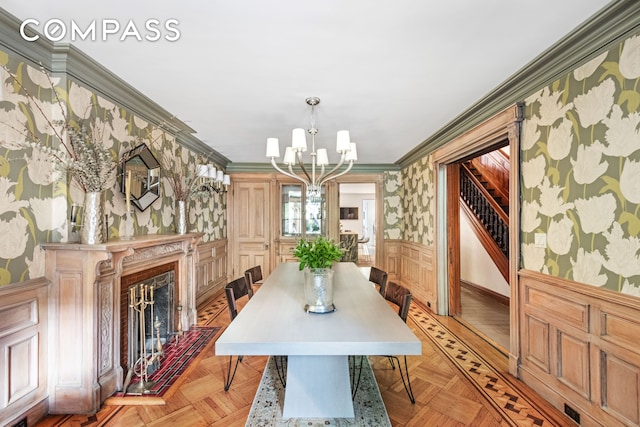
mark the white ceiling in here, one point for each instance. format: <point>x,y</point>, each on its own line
<point>392,72</point>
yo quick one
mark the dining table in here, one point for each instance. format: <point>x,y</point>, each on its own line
<point>317,345</point>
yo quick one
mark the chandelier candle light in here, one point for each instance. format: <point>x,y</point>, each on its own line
<point>319,158</point>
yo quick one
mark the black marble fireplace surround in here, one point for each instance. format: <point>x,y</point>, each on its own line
<point>161,313</point>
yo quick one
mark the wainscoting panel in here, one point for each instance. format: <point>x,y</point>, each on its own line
<point>536,345</point>
<point>23,368</point>
<point>392,258</point>
<point>212,269</point>
<point>412,264</point>
<point>573,366</point>
<point>580,348</point>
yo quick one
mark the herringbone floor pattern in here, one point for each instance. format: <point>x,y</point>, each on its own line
<point>459,380</point>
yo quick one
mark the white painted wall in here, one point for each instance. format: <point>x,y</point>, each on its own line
<point>354,200</point>
<point>476,266</point>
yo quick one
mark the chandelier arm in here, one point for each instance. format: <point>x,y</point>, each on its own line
<point>291,175</point>
<point>301,163</point>
<point>322,174</point>
<point>332,171</point>
<point>296,176</point>
<point>337,175</point>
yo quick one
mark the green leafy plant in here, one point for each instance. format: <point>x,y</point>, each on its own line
<point>318,253</point>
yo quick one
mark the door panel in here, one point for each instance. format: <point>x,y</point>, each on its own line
<point>251,224</point>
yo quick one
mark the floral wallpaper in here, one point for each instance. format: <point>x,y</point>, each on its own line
<point>580,181</point>
<point>35,197</point>
<point>392,194</point>
<point>418,202</point>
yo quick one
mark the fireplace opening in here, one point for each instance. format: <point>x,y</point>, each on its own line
<point>150,314</point>
<point>149,299</point>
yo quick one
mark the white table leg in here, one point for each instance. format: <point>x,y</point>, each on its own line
<point>318,387</point>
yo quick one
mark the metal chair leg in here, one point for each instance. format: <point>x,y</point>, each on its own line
<point>393,366</point>
<point>407,382</point>
<point>228,379</point>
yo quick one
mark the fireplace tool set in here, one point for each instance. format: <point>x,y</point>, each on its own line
<point>141,297</point>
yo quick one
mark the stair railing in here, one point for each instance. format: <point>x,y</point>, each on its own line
<point>485,209</point>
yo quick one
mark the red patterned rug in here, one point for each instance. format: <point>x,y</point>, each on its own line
<point>177,359</point>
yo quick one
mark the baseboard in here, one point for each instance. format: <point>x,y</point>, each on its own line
<point>34,414</point>
<point>502,299</point>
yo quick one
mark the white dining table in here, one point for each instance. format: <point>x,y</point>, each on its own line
<point>274,323</point>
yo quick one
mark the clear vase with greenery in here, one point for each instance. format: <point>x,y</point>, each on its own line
<point>316,258</point>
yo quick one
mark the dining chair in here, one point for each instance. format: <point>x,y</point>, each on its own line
<point>363,243</point>
<point>379,277</point>
<point>253,276</point>
<point>234,290</point>
<point>400,296</point>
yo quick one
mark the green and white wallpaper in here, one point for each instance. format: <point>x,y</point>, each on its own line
<point>392,205</point>
<point>419,202</point>
<point>35,198</point>
<point>580,181</point>
<point>580,177</point>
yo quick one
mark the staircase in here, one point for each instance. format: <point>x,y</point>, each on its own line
<point>484,198</point>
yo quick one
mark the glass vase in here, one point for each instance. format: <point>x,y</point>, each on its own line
<point>318,290</point>
<point>128,226</point>
<point>92,231</point>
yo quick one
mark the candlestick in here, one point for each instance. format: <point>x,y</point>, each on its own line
<point>152,292</point>
<point>127,190</point>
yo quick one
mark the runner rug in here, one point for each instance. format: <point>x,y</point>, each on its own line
<point>266,410</point>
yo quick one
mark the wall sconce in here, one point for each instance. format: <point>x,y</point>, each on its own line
<point>211,180</point>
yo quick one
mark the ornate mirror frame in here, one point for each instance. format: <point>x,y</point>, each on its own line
<point>145,176</point>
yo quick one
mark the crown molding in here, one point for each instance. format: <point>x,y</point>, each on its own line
<point>357,168</point>
<point>37,53</point>
<point>196,145</point>
<point>612,24</point>
<point>67,60</point>
<point>80,67</point>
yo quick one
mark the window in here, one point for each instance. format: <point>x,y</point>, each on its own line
<point>303,215</point>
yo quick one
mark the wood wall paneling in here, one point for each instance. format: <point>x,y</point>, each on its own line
<point>536,345</point>
<point>573,363</point>
<point>580,348</point>
<point>23,349</point>
<point>391,250</point>
<point>412,264</point>
<point>621,386</point>
<point>212,269</point>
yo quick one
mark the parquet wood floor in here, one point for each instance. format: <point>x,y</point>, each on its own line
<point>487,315</point>
<point>445,395</point>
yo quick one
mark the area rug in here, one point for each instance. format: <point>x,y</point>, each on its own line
<point>515,408</point>
<point>266,410</point>
<point>178,356</point>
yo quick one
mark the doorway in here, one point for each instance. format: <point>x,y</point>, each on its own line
<point>358,217</point>
<point>483,242</point>
<point>504,126</point>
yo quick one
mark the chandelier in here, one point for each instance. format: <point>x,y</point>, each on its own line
<point>314,178</point>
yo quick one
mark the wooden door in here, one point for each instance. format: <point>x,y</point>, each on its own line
<point>251,227</point>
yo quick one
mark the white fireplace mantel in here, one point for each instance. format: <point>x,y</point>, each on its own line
<point>84,311</point>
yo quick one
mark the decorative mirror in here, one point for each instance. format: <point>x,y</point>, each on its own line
<point>145,176</point>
